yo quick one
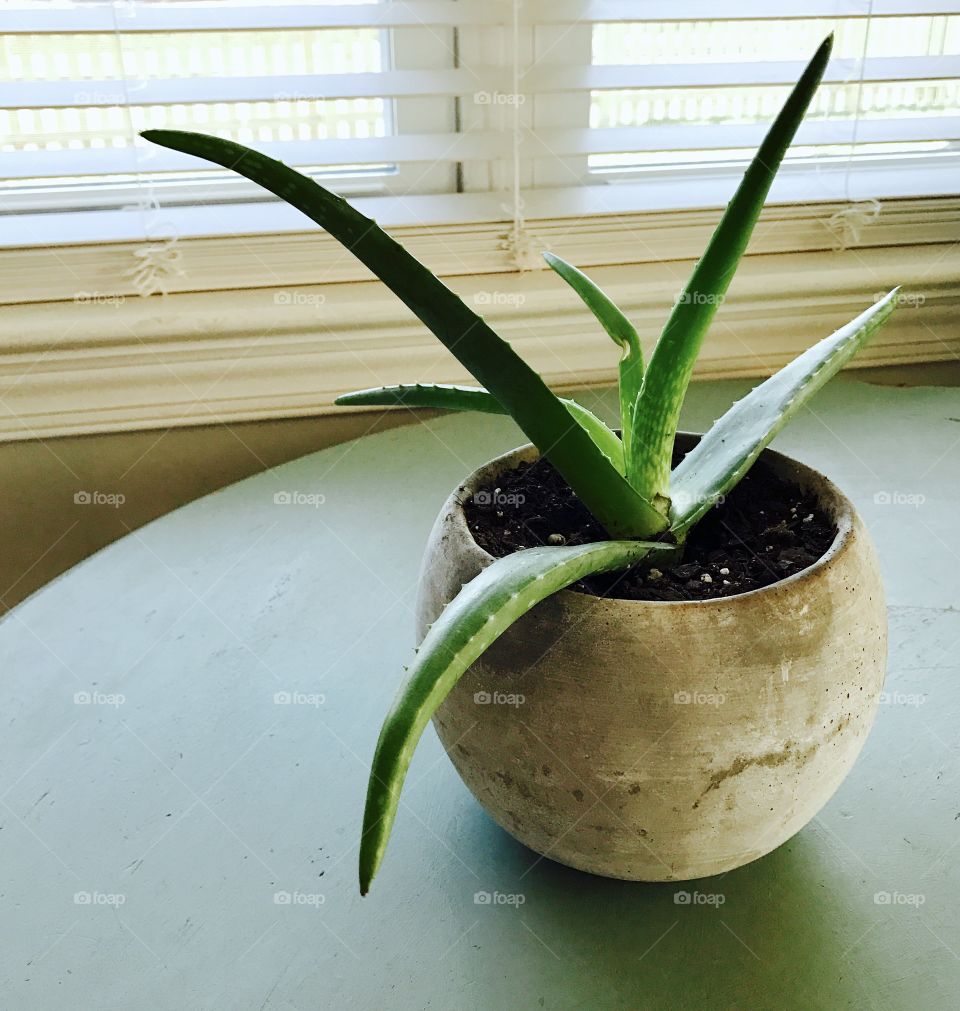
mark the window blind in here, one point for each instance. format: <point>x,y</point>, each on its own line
<point>447,110</point>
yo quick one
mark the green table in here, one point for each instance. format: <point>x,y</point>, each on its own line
<point>188,718</point>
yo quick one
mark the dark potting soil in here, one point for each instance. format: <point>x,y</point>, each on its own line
<point>766,530</point>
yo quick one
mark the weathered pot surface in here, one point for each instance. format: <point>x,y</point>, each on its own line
<point>661,741</point>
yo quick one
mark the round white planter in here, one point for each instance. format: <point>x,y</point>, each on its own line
<point>661,741</point>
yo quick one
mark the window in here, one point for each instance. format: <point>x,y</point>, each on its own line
<point>330,88</point>
<point>892,96</point>
<point>92,93</point>
<point>444,111</point>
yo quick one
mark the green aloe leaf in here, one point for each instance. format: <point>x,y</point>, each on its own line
<point>537,411</point>
<point>728,450</point>
<point>473,398</point>
<point>621,331</point>
<point>483,610</point>
<point>668,373</point>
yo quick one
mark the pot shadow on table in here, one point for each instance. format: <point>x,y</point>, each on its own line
<point>789,930</point>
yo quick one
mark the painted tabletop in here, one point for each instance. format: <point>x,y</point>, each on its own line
<point>188,719</point>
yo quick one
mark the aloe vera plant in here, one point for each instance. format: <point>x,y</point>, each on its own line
<point>647,509</point>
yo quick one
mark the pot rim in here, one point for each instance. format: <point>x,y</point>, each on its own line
<point>830,497</point>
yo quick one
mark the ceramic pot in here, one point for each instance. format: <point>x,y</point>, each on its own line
<point>661,741</point>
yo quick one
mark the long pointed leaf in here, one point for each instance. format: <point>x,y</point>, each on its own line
<point>473,398</point>
<point>671,365</point>
<point>621,331</point>
<point>546,421</point>
<point>731,446</point>
<point>483,610</point>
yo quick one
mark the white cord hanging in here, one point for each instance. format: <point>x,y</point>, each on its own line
<point>158,262</point>
<point>846,225</point>
<point>520,244</point>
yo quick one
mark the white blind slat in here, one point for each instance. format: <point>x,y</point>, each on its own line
<point>681,137</point>
<point>152,17</point>
<point>612,11</point>
<point>189,90</point>
<point>102,17</point>
<point>749,73</point>
<point>348,151</point>
<point>828,183</point>
<point>478,82</point>
<point>482,144</point>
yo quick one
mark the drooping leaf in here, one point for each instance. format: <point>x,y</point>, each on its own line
<point>668,372</point>
<point>621,331</point>
<point>472,398</point>
<point>537,411</point>
<point>728,450</point>
<point>483,610</point>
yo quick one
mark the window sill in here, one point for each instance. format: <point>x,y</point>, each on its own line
<point>248,332</point>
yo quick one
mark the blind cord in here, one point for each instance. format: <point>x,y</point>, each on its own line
<point>846,225</point>
<point>158,261</point>
<point>519,243</point>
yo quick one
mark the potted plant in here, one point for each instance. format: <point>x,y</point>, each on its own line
<point>700,692</point>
